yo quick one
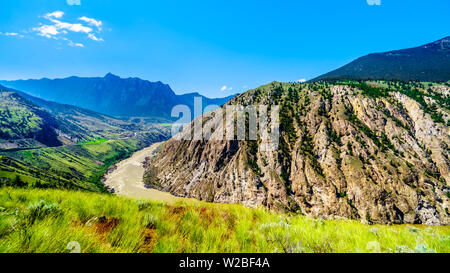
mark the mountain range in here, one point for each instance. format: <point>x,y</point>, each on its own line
<point>112,95</point>
<point>430,62</point>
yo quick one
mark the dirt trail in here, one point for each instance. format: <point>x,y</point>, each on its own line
<point>126,178</point>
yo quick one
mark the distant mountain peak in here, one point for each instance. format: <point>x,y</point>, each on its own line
<point>444,43</point>
<point>445,39</point>
<point>429,62</point>
<point>112,95</point>
<point>111,76</point>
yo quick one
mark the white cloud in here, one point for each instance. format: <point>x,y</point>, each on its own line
<point>95,38</point>
<point>57,29</point>
<point>73,2</point>
<point>302,80</point>
<point>225,88</point>
<point>56,14</point>
<point>10,34</point>
<point>75,44</point>
<point>46,31</point>
<point>71,43</point>
<point>71,27</point>
<point>91,21</point>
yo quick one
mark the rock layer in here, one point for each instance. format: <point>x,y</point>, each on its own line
<point>375,151</point>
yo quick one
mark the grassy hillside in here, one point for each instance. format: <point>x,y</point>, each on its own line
<point>33,132</point>
<point>72,166</point>
<point>20,119</point>
<point>81,124</point>
<point>34,220</point>
<point>30,122</point>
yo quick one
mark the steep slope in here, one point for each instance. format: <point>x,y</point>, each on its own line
<point>28,121</point>
<point>88,123</point>
<point>111,95</point>
<point>38,143</point>
<point>377,151</point>
<point>71,166</point>
<point>21,120</point>
<point>430,62</point>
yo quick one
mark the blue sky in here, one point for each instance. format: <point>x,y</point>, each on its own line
<point>213,47</point>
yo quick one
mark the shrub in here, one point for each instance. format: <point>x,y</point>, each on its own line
<point>150,220</point>
<point>142,205</point>
<point>41,210</point>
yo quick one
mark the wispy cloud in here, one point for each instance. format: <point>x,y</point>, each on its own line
<point>55,14</point>
<point>95,38</point>
<point>226,88</point>
<point>46,31</point>
<point>59,29</point>
<point>55,27</point>
<point>92,22</point>
<point>58,24</point>
<point>14,34</point>
<point>302,80</point>
<point>75,44</point>
<point>71,27</point>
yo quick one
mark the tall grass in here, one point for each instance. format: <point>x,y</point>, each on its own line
<point>33,220</point>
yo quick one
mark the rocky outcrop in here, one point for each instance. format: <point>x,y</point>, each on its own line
<point>346,151</point>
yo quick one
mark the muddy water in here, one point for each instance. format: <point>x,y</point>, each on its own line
<point>127,178</point>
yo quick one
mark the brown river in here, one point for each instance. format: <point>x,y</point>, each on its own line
<point>127,178</point>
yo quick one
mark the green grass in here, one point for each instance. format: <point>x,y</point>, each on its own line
<point>16,121</point>
<point>36,220</point>
<point>166,124</point>
<point>94,141</point>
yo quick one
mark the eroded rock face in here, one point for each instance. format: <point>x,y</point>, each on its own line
<point>344,152</point>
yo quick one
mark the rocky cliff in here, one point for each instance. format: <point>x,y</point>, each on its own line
<point>374,151</point>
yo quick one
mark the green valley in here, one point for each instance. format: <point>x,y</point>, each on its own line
<point>44,144</point>
<point>72,166</point>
